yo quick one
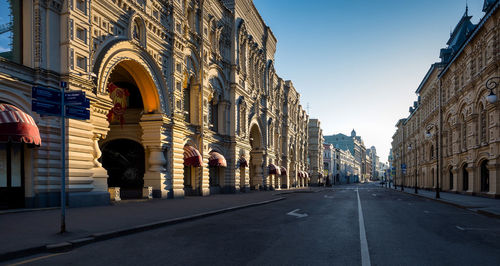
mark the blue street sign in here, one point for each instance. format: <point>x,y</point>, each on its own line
<point>46,108</point>
<point>83,104</point>
<point>77,112</point>
<point>74,97</point>
<point>403,166</point>
<point>46,94</point>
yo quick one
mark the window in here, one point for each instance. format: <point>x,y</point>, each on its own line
<point>482,131</point>
<point>214,115</point>
<point>82,5</point>
<point>465,178</point>
<point>81,62</point>
<point>11,175</point>
<point>214,176</point>
<point>186,104</point>
<point>464,134</point>
<point>11,30</point>
<point>81,34</point>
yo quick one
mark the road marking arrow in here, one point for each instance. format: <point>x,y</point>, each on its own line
<point>298,215</point>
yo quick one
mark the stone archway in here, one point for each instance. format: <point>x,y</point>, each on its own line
<point>137,114</point>
<point>256,157</point>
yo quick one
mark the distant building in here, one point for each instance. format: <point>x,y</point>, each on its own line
<point>315,152</point>
<point>356,147</point>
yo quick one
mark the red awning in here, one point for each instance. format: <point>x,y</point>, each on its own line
<point>274,170</point>
<point>243,162</point>
<point>192,156</point>
<point>17,126</point>
<point>216,160</point>
<point>283,170</point>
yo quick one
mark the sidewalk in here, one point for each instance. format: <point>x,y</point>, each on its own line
<point>26,233</point>
<point>487,206</point>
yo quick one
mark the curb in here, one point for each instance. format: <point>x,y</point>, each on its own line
<point>482,212</point>
<point>300,191</point>
<point>96,237</point>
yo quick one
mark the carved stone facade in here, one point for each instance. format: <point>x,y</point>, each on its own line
<point>199,73</point>
<point>452,121</point>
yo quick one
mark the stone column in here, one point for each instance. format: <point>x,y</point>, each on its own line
<point>454,170</point>
<point>494,170</point>
<point>99,174</point>
<point>155,142</point>
<point>474,185</point>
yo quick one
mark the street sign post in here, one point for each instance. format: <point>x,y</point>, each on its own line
<point>72,104</point>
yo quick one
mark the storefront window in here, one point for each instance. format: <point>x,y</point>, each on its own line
<point>10,30</point>
<point>15,162</point>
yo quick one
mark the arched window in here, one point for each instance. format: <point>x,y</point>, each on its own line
<point>463,133</point>
<point>485,176</point>
<point>187,103</point>
<point>465,178</point>
<point>214,114</point>
<point>482,125</point>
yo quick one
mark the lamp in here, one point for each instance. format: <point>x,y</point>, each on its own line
<point>492,84</point>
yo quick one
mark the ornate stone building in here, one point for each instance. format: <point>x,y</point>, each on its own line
<point>175,86</point>
<point>453,131</point>
<point>315,152</point>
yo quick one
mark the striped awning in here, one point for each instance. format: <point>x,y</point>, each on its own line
<point>216,160</point>
<point>242,162</point>
<point>283,170</point>
<point>17,126</point>
<point>192,156</point>
<point>300,174</point>
<point>274,170</point>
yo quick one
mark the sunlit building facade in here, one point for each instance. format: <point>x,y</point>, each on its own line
<point>452,128</point>
<point>184,99</point>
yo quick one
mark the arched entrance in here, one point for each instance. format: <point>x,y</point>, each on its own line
<point>485,176</point>
<point>134,119</point>
<point>465,178</point>
<point>256,158</point>
<point>450,172</point>
<point>124,161</point>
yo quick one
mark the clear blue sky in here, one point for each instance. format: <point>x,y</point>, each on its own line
<point>358,62</point>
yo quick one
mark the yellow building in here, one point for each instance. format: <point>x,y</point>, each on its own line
<point>184,99</point>
<point>453,130</point>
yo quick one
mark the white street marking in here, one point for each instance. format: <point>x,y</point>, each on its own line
<point>460,228</point>
<point>374,195</point>
<point>365,254</point>
<point>298,215</point>
<point>328,197</point>
<point>426,211</point>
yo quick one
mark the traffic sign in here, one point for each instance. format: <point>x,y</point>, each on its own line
<point>403,166</point>
<point>46,94</point>
<point>74,97</point>
<point>77,112</point>
<point>46,108</point>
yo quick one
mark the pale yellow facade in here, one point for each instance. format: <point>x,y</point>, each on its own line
<point>453,122</point>
<point>199,73</point>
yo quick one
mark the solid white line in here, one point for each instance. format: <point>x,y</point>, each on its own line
<point>365,254</point>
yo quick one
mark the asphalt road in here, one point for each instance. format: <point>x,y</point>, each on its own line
<point>310,229</point>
